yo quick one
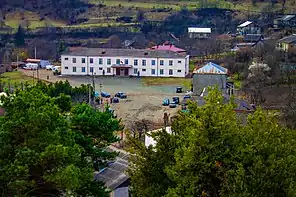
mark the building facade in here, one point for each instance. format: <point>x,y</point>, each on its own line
<point>287,44</point>
<point>199,32</point>
<point>125,62</point>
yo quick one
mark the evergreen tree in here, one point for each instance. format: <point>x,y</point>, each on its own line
<point>211,153</point>
<point>19,37</point>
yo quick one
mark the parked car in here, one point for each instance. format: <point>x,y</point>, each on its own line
<point>179,90</point>
<point>49,67</point>
<point>31,66</point>
<point>176,100</point>
<point>115,100</point>
<point>105,95</point>
<point>173,105</point>
<point>187,97</point>
<point>56,70</point>
<point>120,95</point>
<point>166,102</point>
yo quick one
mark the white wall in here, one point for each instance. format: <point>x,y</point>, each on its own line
<point>180,67</point>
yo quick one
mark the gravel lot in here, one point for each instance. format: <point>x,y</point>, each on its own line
<point>143,102</point>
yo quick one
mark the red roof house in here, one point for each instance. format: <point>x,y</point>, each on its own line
<point>168,47</point>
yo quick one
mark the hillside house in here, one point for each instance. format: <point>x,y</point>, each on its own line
<point>287,44</point>
<point>199,32</point>
<point>253,38</point>
<point>248,27</point>
<point>287,21</point>
<point>210,74</point>
<point>125,62</point>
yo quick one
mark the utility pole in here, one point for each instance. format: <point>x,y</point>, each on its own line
<point>94,87</point>
<point>37,66</point>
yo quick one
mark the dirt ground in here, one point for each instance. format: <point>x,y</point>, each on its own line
<point>142,102</point>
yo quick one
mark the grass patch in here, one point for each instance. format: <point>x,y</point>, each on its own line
<point>158,81</point>
<point>16,78</point>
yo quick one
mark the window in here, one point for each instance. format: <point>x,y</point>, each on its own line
<point>83,69</point>
<point>161,71</point>
<point>83,60</point>
<point>66,67</point>
<point>66,58</point>
<point>100,68</point>
<point>171,72</point>
<point>135,71</point>
<point>108,61</point>
<point>143,62</point>
<point>91,60</point>
<point>135,62</point>
<point>170,62</point>
<point>74,69</point>
<point>126,61</point>
<point>91,69</point>
<point>144,70</point>
<point>117,61</point>
<point>74,60</point>
<point>153,72</point>
<point>179,71</point>
<point>161,62</point>
<point>108,70</point>
<point>179,62</point>
<point>101,61</point>
<point>153,62</point>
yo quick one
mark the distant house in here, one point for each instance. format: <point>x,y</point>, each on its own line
<point>286,21</point>
<point>248,27</point>
<point>114,176</point>
<point>209,75</point>
<point>199,32</point>
<point>168,47</point>
<point>287,44</point>
<point>253,38</point>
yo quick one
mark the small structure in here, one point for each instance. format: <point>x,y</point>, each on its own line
<point>248,27</point>
<point>287,44</point>
<point>286,21</point>
<point>199,32</point>
<point>114,176</point>
<point>209,75</point>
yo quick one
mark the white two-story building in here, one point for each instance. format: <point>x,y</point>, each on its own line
<point>125,62</point>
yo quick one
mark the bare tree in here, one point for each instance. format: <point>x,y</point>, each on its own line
<point>138,128</point>
<point>289,111</point>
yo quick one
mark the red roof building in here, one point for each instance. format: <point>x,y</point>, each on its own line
<point>168,47</point>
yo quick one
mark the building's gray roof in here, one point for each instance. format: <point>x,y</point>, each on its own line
<point>289,39</point>
<point>253,37</point>
<point>114,175</point>
<point>141,53</point>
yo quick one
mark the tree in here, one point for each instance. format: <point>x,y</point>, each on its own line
<point>211,153</point>
<point>140,16</point>
<point>19,37</point>
<point>47,152</point>
<point>289,111</point>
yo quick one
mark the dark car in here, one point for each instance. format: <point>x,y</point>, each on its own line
<point>120,95</point>
<point>179,90</point>
<point>166,102</point>
<point>115,100</point>
<point>173,105</point>
<point>176,100</point>
<point>187,97</point>
<point>105,95</point>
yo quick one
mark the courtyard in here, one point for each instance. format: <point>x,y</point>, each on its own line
<point>143,102</point>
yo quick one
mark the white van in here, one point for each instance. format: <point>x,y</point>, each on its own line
<point>31,66</point>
